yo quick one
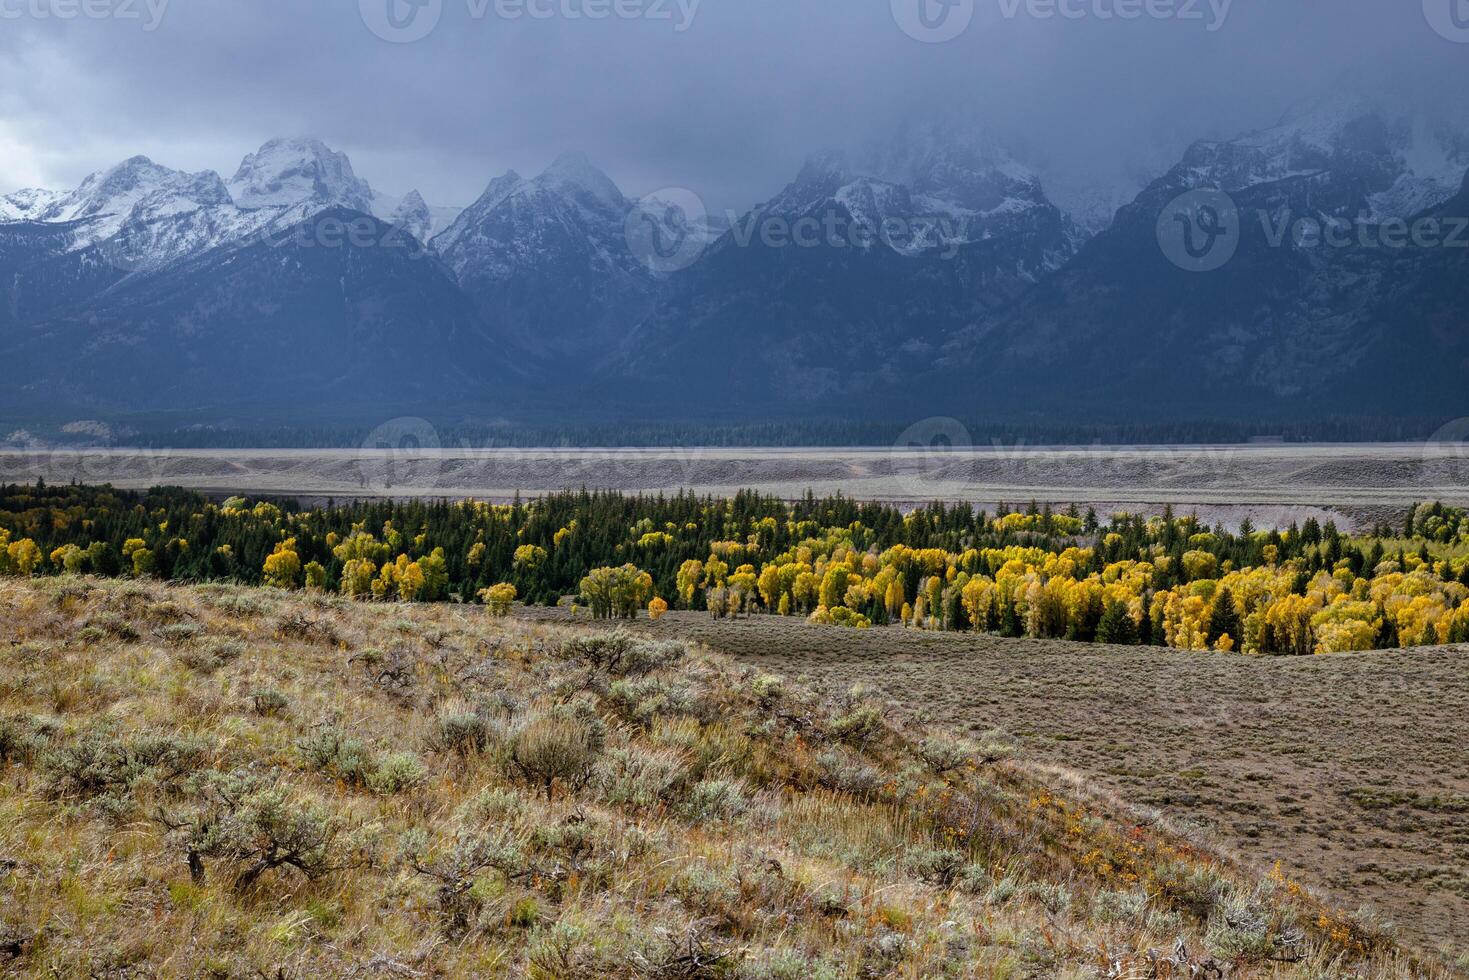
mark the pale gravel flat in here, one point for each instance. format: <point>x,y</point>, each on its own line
<point>1270,484</point>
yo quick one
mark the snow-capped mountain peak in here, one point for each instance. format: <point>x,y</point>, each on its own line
<point>285,173</point>
<point>467,220</point>
<point>139,185</point>
<point>926,176</point>
<point>412,215</point>
<point>1435,158</point>
<point>412,202</point>
<point>28,204</point>
<point>572,192</point>
<point>134,192</point>
<point>499,189</point>
<point>548,259</point>
<point>1385,161</point>
<point>573,175</point>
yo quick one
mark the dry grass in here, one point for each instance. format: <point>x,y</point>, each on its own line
<point>1352,770</point>
<point>222,782</point>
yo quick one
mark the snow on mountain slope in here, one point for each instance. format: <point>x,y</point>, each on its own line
<point>1280,319</point>
<point>1435,157</point>
<point>133,192</point>
<point>943,187</point>
<point>144,216</point>
<point>412,215</point>
<point>548,260</point>
<point>265,323</point>
<point>299,177</point>
<point>412,208</point>
<point>25,205</point>
<point>471,217</point>
<point>516,221</point>
<point>1402,161</point>
<point>854,277</point>
<point>956,169</point>
<point>288,172</point>
<point>574,177</point>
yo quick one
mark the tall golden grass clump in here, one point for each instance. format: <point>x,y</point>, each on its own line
<point>218,782</point>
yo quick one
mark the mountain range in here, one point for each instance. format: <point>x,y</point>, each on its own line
<point>928,273</point>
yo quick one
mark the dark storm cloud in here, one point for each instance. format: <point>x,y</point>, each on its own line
<point>723,96</point>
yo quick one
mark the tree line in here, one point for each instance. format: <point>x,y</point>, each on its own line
<point>1027,571</point>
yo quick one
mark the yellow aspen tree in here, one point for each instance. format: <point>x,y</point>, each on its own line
<point>894,600</point>
<point>690,575</point>
<point>770,590</point>
<point>315,576</point>
<point>283,567</point>
<point>69,558</point>
<point>25,556</point>
<point>358,576</point>
<point>498,599</point>
<point>411,580</point>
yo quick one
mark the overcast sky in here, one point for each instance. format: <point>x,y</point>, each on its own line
<point>728,101</point>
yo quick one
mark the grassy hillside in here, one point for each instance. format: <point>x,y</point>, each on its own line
<point>218,781</point>
<point>1352,770</point>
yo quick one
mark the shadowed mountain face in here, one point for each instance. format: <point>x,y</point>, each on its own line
<point>341,313</point>
<point>45,266</point>
<point>1321,298</point>
<point>547,261</point>
<point>856,277</point>
<point>1316,267</point>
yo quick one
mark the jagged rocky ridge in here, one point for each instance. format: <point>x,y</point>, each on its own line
<point>976,290</point>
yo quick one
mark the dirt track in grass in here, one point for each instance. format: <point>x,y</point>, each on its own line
<point>1352,770</point>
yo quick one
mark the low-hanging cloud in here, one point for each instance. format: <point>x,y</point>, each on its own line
<point>727,97</point>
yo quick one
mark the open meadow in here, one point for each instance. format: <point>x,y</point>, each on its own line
<point>1352,770</point>
<point>228,782</point>
<point>1016,744</point>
